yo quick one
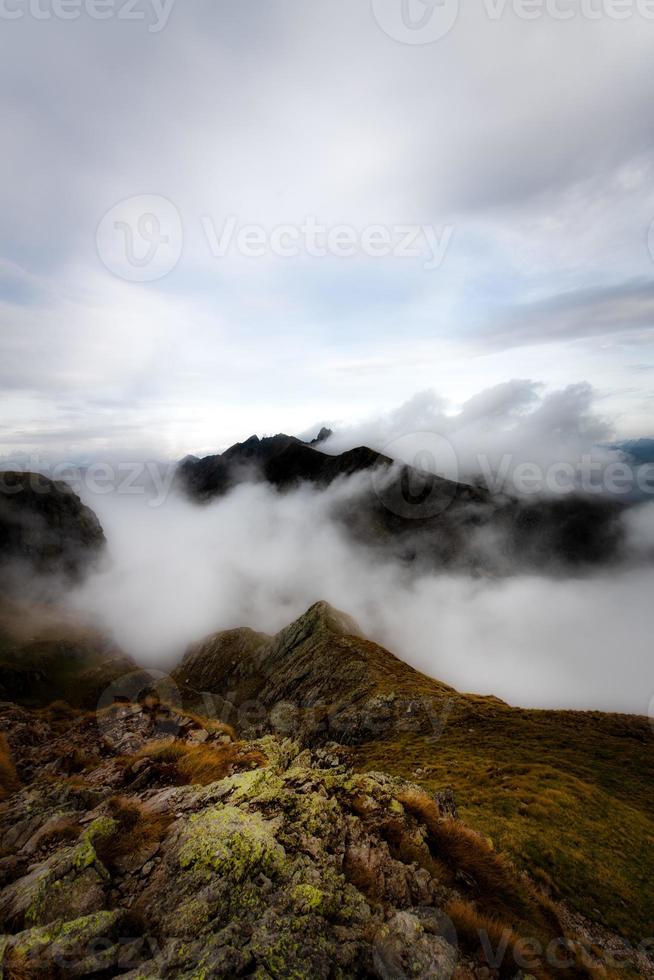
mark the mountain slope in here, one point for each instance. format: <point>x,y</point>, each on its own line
<point>190,855</point>
<point>44,527</point>
<point>319,675</point>
<point>554,789</point>
<point>147,840</point>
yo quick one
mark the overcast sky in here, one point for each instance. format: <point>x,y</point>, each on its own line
<point>520,152</point>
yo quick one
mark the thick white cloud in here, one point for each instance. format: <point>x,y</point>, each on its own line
<point>257,558</point>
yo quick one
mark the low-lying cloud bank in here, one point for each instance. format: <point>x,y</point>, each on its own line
<point>516,437</point>
<point>258,558</point>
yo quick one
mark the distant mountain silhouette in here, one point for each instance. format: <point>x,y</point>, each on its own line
<point>44,526</point>
<point>419,516</point>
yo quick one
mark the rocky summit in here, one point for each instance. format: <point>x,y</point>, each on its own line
<point>247,817</point>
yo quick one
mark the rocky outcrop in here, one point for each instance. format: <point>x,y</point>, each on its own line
<point>145,839</point>
<point>298,867</point>
<point>45,528</point>
<point>318,678</point>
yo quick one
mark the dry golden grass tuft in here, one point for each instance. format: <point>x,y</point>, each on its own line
<point>9,781</point>
<point>198,764</point>
<point>480,934</point>
<point>213,725</point>
<point>17,965</point>
<point>470,856</point>
<point>492,941</point>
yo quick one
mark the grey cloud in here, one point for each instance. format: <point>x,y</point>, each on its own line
<point>604,311</point>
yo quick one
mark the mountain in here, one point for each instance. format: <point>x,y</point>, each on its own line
<point>460,838</point>
<point>45,528</point>
<point>420,517</point>
<point>549,787</point>
<point>319,677</point>
<point>48,654</point>
<point>48,539</point>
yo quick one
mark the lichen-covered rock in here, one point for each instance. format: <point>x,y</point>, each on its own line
<point>290,870</point>
<point>71,883</point>
<point>299,868</point>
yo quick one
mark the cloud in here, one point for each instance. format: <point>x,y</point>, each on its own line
<point>258,558</point>
<point>603,311</point>
<point>548,189</point>
<point>492,432</point>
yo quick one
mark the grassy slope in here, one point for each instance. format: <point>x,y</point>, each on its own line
<point>569,795</point>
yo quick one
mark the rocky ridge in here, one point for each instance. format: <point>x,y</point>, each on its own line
<point>418,516</point>
<point>284,863</point>
<point>147,840</point>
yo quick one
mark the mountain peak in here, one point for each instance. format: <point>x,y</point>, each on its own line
<point>322,616</point>
<point>322,436</point>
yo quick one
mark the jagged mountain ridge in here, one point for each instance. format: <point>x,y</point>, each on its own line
<point>422,517</point>
<point>288,854</point>
<point>319,676</point>
<point>538,780</point>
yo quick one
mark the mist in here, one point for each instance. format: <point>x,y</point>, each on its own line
<point>491,436</point>
<point>177,572</point>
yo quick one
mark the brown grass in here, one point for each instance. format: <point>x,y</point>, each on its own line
<point>492,941</point>
<point>137,829</point>
<point>9,781</point>
<point>199,764</point>
<point>481,934</point>
<point>213,725</point>
<point>16,965</point>
<point>469,855</point>
<point>506,903</point>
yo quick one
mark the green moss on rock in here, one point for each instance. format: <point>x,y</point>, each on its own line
<point>227,841</point>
